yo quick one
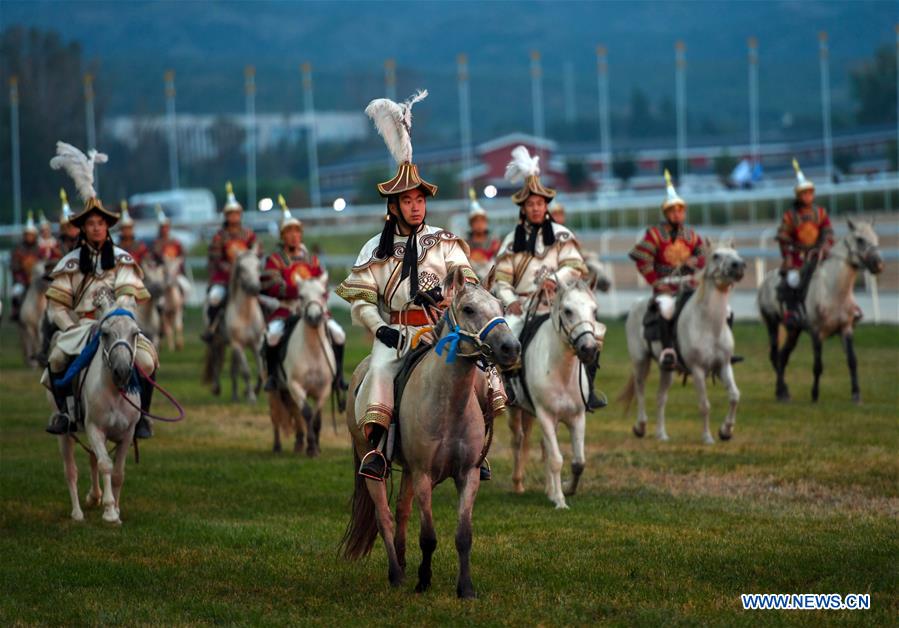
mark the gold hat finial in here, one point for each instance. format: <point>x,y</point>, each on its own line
<point>281,202</point>
<point>63,196</point>
<point>795,166</point>
<point>667,177</point>
<point>229,189</point>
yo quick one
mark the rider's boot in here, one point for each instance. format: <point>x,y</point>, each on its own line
<point>486,473</point>
<point>212,315</point>
<point>374,465</point>
<point>339,385</point>
<point>271,367</point>
<point>144,428</point>
<point>14,306</point>
<point>60,423</point>
<point>594,402</point>
<point>734,359</point>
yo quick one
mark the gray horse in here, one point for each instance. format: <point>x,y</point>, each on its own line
<point>442,435</point>
<point>706,346</point>
<point>829,305</point>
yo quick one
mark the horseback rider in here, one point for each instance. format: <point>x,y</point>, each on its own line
<point>68,233</point>
<point>668,257</point>
<point>396,275</point>
<point>127,242</point>
<point>285,270</point>
<point>536,254</point>
<point>557,211</point>
<point>93,271</point>
<point>46,241</point>
<point>23,259</point>
<point>166,247</point>
<point>228,242</point>
<point>805,236</point>
<point>483,248</point>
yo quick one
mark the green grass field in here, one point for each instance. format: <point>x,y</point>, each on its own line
<point>217,529</point>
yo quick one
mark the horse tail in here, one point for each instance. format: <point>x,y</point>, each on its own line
<point>626,396</point>
<point>362,529</point>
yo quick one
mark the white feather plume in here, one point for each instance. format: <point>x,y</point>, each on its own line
<point>78,166</point>
<point>394,123</point>
<point>522,165</point>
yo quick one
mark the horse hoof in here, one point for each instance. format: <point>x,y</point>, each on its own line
<point>663,437</point>
<point>518,488</point>
<point>395,577</point>
<point>421,587</point>
<point>725,436</point>
<point>251,398</point>
<point>784,397</point>
<point>90,500</point>
<point>707,439</point>
<point>639,430</point>
<point>216,391</point>
<point>466,593</point>
<point>561,505</point>
<point>77,515</point>
<point>857,398</point>
<point>112,517</point>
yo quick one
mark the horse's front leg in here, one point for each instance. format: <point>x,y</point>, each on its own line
<point>518,439</point>
<point>70,468</point>
<point>427,539</point>
<point>467,487</point>
<point>818,366</point>
<point>245,373</point>
<point>726,431</point>
<point>783,358</point>
<point>403,511</point>
<point>235,393</point>
<point>704,407</point>
<point>553,459</point>
<point>852,362</point>
<point>384,519</point>
<point>94,495</point>
<point>118,474</point>
<point>665,379</point>
<point>641,370</point>
<point>97,442</point>
<point>579,460</point>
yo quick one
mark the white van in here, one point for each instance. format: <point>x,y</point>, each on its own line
<point>187,209</point>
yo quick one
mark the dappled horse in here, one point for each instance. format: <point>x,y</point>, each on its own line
<point>829,305</point>
<point>705,346</point>
<point>441,435</point>
<point>555,386</point>
<point>240,328</point>
<point>99,393</point>
<point>308,371</point>
<point>31,313</point>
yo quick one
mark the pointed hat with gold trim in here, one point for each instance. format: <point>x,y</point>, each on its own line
<point>394,123</point>
<point>802,184</point>
<point>81,168</point>
<point>527,168</point>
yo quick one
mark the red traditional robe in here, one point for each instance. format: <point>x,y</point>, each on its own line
<point>223,250</point>
<point>283,275</point>
<point>801,232</point>
<point>664,250</point>
<point>137,248</point>
<point>24,257</point>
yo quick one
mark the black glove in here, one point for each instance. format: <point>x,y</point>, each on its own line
<point>428,297</point>
<point>388,336</point>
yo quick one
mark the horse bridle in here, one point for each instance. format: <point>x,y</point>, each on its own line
<point>131,348</point>
<point>478,338</point>
<point>572,336</point>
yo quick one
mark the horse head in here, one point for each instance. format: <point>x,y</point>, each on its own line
<point>724,266</point>
<point>245,273</point>
<point>479,316</point>
<point>118,343</point>
<point>154,277</point>
<point>862,243</point>
<point>573,315</point>
<point>598,277</point>
<point>314,300</point>
<point>39,277</point>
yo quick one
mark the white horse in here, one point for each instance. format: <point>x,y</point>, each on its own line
<point>148,311</point>
<point>32,311</point>
<point>829,304</point>
<point>241,328</point>
<point>557,387</point>
<point>309,368</point>
<point>107,416</point>
<point>175,288</point>
<point>705,342</point>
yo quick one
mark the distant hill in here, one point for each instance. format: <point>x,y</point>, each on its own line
<point>209,43</point>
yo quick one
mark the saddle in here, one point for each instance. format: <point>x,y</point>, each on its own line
<point>653,317</point>
<point>527,335</point>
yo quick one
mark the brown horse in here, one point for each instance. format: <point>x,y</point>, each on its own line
<point>442,435</point>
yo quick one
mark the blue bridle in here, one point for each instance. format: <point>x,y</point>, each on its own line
<point>451,341</point>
